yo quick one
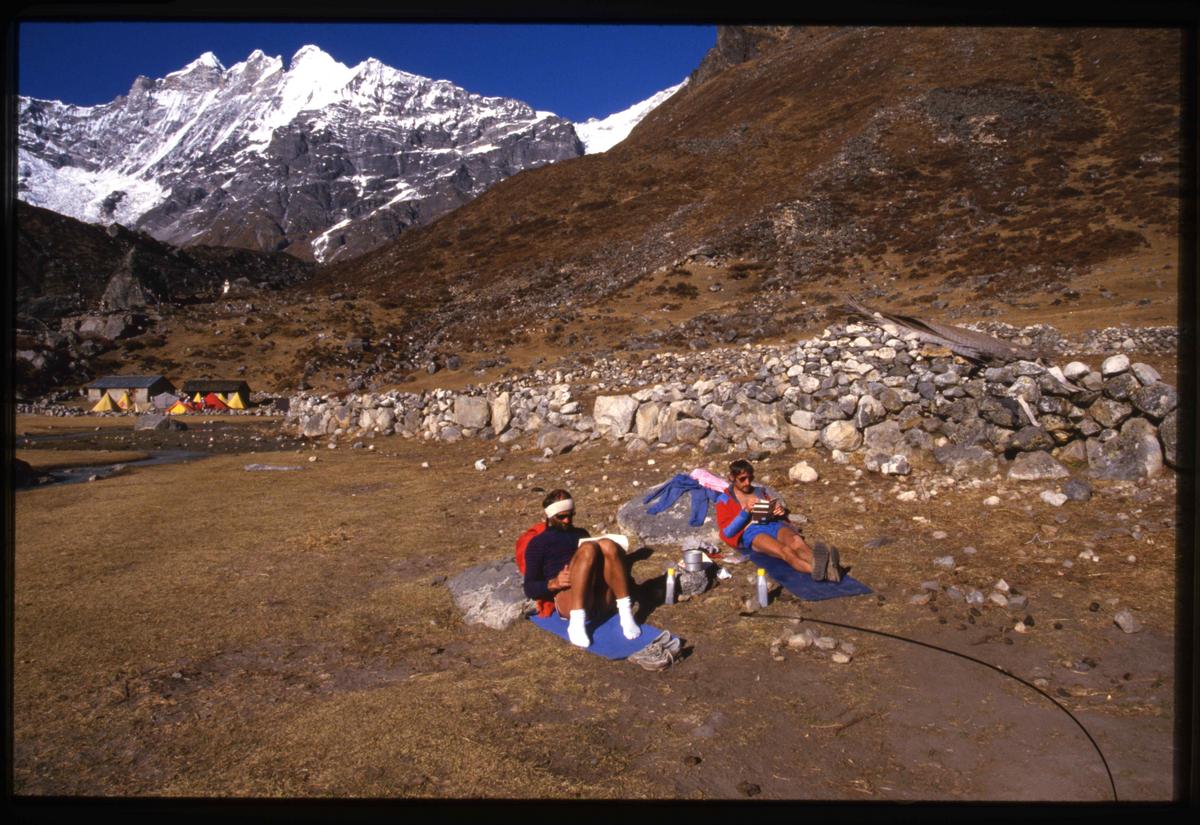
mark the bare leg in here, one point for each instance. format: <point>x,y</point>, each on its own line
<point>582,565</point>
<point>616,579</point>
<point>798,556</point>
<point>615,574</point>
<point>790,538</point>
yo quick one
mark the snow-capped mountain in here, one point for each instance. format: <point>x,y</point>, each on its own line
<point>320,159</point>
<point>600,135</point>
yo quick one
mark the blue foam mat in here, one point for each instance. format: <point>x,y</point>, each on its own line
<point>801,584</point>
<point>607,639</point>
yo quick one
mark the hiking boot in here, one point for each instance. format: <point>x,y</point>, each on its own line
<point>660,654</point>
<point>820,561</point>
<point>834,571</point>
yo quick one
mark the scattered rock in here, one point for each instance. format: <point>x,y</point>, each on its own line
<point>802,473</point>
<point>1077,490</point>
<point>1053,499</point>
<point>1125,620</point>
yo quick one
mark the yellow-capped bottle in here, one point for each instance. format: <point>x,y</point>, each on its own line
<point>762,587</point>
<point>670,599</point>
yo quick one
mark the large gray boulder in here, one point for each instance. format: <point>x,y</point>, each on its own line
<point>1031,439</point>
<point>766,422</point>
<point>491,594</point>
<point>869,411</point>
<point>613,414</point>
<point>1109,413</point>
<point>669,527</point>
<point>1168,433</point>
<point>691,430</point>
<point>501,412</point>
<point>841,435</point>
<point>885,437</point>
<point>647,423</point>
<point>558,440</point>
<point>471,411</point>
<point>1156,400</point>
<point>1135,453</point>
<point>961,461</point>
<point>1037,466</point>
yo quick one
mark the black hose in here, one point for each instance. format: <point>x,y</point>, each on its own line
<point>961,656</point>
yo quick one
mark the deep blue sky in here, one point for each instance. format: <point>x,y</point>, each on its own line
<point>574,70</point>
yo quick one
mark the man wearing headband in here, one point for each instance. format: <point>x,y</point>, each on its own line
<point>580,574</point>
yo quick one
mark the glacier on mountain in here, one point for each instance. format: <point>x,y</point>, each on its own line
<point>319,159</point>
<point>600,135</point>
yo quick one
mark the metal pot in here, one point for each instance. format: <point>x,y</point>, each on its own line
<point>693,560</point>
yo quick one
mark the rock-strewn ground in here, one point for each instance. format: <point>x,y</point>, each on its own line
<point>302,640</point>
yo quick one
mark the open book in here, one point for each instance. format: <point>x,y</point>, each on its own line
<point>616,538</point>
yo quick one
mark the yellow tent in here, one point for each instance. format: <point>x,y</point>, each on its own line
<point>234,401</point>
<point>105,404</point>
<point>178,408</point>
<point>198,399</point>
<point>123,400</point>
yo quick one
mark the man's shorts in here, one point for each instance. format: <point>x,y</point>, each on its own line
<point>771,528</point>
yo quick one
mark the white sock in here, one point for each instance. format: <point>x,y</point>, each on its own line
<point>628,626</point>
<point>576,631</point>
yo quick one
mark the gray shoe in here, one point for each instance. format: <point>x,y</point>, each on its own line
<point>821,556</point>
<point>834,571</point>
<point>660,654</point>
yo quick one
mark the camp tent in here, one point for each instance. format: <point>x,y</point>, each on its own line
<point>105,404</point>
<point>180,407</point>
<point>122,400</point>
<point>234,401</point>
<point>164,400</point>
<point>225,390</point>
<point>213,402</point>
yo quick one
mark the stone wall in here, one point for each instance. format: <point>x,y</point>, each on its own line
<point>858,388</point>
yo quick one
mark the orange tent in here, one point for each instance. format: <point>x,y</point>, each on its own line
<point>213,402</point>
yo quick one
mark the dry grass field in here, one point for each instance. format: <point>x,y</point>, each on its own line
<point>199,630</point>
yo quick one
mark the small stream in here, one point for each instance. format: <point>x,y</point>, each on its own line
<point>73,475</point>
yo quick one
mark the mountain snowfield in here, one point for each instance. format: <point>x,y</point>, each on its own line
<point>319,159</point>
<point>601,135</point>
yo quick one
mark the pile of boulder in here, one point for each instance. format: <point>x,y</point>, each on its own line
<point>865,388</point>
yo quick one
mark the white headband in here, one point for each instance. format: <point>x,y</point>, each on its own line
<point>560,507</point>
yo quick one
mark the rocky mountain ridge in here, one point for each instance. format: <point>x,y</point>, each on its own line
<point>316,158</point>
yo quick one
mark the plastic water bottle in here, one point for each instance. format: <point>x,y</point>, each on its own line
<point>670,599</point>
<point>762,587</point>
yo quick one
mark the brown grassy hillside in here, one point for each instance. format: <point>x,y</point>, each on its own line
<point>902,164</point>
<point>1026,175</point>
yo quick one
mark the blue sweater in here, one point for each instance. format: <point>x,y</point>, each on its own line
<point>676,487</point>
<point>546,554</point>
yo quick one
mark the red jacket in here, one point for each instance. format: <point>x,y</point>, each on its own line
<point>732,520</point>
